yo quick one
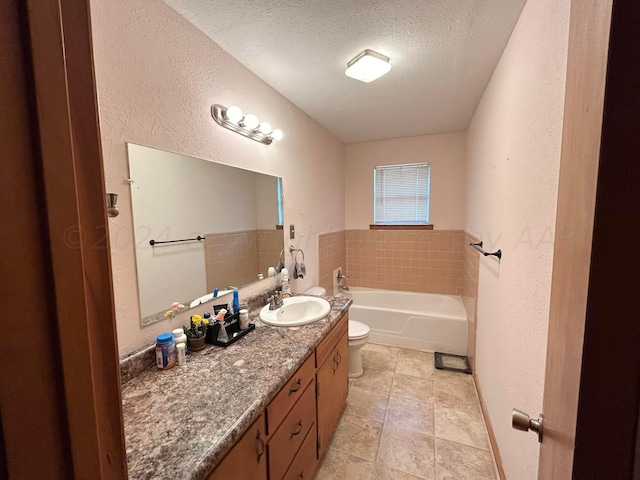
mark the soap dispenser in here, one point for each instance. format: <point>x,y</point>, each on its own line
<point>286,288</point>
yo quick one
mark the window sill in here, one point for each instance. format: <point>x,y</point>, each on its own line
<point>401,227</point>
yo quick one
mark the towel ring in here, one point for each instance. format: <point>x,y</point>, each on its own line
<point>296,258</point>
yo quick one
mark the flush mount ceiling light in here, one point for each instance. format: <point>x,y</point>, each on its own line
<point>368,66</point>
<point>247,125</point>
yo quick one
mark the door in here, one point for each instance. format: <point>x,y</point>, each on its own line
<point>60,403</point>
<point>593,361</point>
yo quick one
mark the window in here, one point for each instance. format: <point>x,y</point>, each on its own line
<point>401,194</point>
<point>280,207</point>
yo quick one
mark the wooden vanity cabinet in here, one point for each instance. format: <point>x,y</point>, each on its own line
<point>293,433</point>
<point>332,385</point>
<point>247,460</point>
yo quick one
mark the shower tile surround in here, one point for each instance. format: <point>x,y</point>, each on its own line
<point>427,261</point>
<point>332,254</point>
<point>409,424</point>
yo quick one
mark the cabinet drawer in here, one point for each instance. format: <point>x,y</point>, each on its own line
<point>247,459</point>
<point>306,462</point>
<point>326,346</point>
<point>286,441</point>
<point>289,394</point>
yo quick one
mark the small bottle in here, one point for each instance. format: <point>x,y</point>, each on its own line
<point>181,349</point>
<point>236,301</point>
<point>179,336</point>
<point>222,333</point>
<point>286,288</point>
<point>244,319</point>
<point>165,351</point>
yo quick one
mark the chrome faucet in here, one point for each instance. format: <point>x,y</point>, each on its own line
<point>275,301</point>
<point>340,277</point>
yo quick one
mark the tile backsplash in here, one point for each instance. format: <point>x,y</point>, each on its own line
<point>236,258</point>
<point>331,255</point>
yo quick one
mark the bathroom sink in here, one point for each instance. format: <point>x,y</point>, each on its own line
<point>296,311</point>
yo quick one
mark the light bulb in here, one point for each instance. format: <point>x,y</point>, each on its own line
<point>276,134</point>
<point>233,114</point>
<point>265,128</point>
<point>251,121</point>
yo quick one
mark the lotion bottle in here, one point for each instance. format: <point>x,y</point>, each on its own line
<point>286,288</point>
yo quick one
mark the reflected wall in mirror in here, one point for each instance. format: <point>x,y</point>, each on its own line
<point>175,197</point>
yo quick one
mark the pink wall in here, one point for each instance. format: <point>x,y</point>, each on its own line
<point>446,152</point>
<point>514,142</point>
<point>157,77</point>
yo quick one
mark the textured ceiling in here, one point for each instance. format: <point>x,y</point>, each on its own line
<point>443,53</point>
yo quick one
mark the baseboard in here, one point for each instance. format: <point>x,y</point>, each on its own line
<point>492,437</point>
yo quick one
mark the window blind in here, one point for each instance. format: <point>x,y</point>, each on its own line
<point>401,194</point>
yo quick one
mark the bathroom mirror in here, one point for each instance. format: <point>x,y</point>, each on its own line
<point>197,226</point>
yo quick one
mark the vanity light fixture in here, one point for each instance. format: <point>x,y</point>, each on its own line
<point>233,114</point>
<point>247,125</point>
<point>368,66</point>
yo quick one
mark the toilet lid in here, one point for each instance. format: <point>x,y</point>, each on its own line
<point>358,329</point>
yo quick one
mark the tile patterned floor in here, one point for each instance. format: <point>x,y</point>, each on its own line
<point>405,420</point>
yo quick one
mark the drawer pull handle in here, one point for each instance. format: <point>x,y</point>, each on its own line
<point>339,357</point>
<point>261,443</point>
<point>296,387</point>
<point>299,425</point>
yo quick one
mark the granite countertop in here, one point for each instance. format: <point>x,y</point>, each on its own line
<point>180,422</point>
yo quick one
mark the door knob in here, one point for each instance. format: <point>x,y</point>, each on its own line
<point>521,421</point>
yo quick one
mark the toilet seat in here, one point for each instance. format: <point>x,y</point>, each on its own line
<point>357,330</point>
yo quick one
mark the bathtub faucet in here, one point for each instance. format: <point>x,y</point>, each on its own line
<point>341,276</point>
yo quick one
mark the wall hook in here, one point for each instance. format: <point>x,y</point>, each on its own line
<point>112,210</point>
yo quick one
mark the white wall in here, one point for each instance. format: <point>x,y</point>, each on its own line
<point>157,77</point>
<point>446,152</point>
<point>514,142</point>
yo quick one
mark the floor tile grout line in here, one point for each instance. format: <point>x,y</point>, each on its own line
<point>386,416</point>
<point>463,444</point>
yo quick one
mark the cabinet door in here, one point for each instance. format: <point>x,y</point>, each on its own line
<point>247,460</point>
<point>287,440</point>
<point>305,463</point>
<point>332,388</point>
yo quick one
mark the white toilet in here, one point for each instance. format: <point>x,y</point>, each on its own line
<point>358,337</point>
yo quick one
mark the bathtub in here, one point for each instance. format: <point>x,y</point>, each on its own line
<point>424,321</point>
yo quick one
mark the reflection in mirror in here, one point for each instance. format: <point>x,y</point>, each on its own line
<point>175,198</point>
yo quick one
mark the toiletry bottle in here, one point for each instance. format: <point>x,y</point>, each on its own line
<point>286,288</point>
<point>165,351</point>
<point>179,336</point>
<point>244,319</point>
<point>236,301</point>
<point>181,350</point>
<point>222,333</point>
